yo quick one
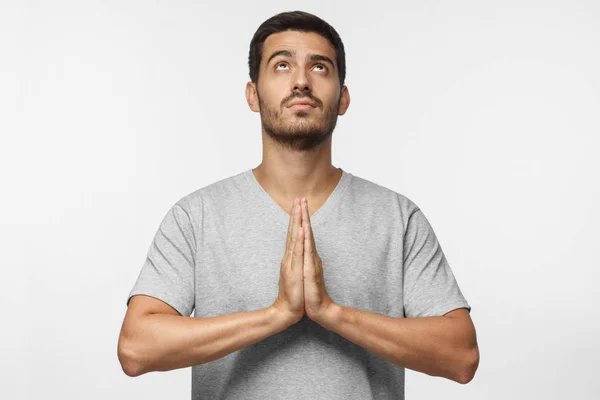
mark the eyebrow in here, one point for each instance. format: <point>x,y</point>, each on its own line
<point>311,57</point>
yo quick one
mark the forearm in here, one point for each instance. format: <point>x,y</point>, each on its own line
<point>438,346</point>
<point>163,342</point>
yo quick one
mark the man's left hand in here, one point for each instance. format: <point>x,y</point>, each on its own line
<point>316,299</point>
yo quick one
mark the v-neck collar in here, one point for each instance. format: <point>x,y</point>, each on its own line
<point>281,216</point>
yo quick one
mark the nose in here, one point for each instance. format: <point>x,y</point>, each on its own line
<point>301,82</point>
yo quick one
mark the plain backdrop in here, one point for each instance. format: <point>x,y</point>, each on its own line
<point>486,114</point>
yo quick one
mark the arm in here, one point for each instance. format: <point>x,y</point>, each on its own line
<point>443,346</point>
<point>155,337</point>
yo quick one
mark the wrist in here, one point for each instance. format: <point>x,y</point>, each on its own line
<point>279,317</point>
<point>330,316</point>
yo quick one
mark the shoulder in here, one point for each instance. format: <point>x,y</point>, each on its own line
<point>379,197</point>
<point>218,190</point>
<point>212,195</point>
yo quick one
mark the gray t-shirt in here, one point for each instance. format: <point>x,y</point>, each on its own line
<point>218,251</point>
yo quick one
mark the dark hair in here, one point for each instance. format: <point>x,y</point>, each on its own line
<point>295,21</point>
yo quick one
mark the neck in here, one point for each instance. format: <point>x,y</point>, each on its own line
<point>287,174</point>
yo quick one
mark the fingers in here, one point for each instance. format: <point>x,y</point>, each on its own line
<point>308,237</point>
<point>288,242</point>
<point>298,248</point>
<point>296,218</point>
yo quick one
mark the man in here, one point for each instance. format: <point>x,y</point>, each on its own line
<point>330,301</point>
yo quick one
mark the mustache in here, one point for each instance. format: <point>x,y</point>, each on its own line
<point>298,95</point>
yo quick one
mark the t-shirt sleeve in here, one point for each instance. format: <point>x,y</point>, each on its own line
<point>430,288</point>
<point>168,271</point>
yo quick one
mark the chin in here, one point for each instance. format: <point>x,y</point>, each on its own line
<point>301,114</point>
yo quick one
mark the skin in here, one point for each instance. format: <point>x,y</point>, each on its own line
<point>297,165</point>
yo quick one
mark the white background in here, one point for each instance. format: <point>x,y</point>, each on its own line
<point>486,114</point>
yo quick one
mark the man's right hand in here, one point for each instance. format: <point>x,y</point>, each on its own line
<point>290,300</point>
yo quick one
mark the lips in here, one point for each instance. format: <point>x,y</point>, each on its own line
<point>302,102</point>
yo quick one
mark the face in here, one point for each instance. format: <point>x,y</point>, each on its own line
<point>298,67</point>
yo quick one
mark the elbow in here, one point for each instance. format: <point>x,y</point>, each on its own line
<point>128,359</point>
<point>468,366</point>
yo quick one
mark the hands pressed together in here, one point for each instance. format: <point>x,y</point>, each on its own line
<point>301,283</point>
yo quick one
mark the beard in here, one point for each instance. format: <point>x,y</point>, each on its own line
<point>299,132</point>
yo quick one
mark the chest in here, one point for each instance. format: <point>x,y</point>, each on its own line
<point>239,270</point>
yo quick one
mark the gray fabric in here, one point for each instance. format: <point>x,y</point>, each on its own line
<point>218,251</point>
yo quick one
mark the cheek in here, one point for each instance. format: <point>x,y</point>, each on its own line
<point>273,97</point>
<point>330,96</point>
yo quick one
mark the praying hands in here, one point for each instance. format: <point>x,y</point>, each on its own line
<point>301,283</point>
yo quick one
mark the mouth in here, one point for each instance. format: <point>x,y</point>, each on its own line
<point>301,106</point>
<point>302,103</point>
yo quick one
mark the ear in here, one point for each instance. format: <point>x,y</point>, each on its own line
<point>344,101</point>
<point>252,97</point>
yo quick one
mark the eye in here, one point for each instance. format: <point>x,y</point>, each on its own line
<point>322,66</point>
<point>278,64</point>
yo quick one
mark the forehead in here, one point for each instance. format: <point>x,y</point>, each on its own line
<point>301,42</point>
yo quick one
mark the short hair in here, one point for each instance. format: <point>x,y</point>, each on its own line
<point>295,21</point>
